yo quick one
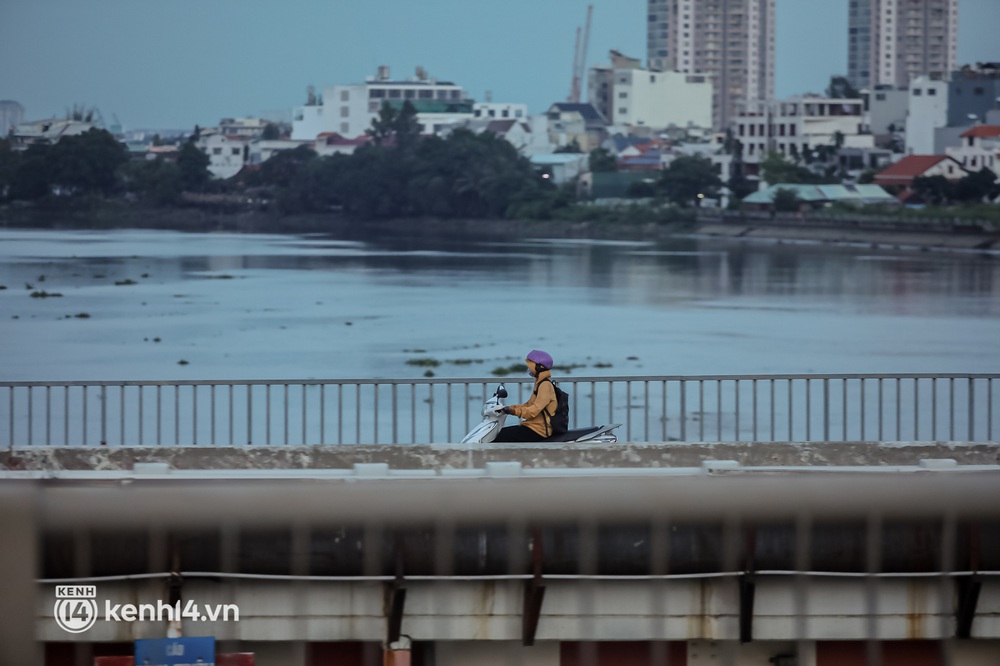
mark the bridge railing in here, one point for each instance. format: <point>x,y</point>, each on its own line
<point>706,408</point>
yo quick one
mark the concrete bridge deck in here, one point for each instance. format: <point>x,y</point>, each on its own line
<point>731,553</point>
<point>454,456</point>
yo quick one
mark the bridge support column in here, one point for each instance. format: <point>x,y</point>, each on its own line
<point>19,558</point>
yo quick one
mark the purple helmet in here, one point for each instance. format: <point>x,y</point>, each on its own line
<point>541,358</point>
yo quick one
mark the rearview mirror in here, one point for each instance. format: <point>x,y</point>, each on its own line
<point>501,392</point>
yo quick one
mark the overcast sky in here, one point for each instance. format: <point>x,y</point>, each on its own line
<point>177,63</point>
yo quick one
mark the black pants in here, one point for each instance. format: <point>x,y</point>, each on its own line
<point>518,433</point>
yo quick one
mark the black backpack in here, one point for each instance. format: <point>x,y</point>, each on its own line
<point>558,422</point>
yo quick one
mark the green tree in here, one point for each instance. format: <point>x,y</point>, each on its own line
<point>732,146</point>
<point>571,147</point>
<point>786,200</point>
<point>396,126</point>
<point>383,124</point>
<point>867,177</point>
<point>841,88</point>
<point>740,186</point>
<point>87,162</point>
<point>285,166</point>
<point>465,175</point>
<point>602,160</point>
<point>406,129</point>
<point>271,132</point>
<point>8,166</point>
<point>687,177</point>
<point>933,190</point>
<point>155,181</point>
<point>32,177</point>
<point>975,187</point>
<point>192,164</point>
<point>775,169</point>
<point>641,190</point>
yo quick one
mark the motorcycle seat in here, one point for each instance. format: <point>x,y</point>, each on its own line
<point>573,435</point>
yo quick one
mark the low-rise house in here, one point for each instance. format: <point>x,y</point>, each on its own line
<point>262,150</point>
<point>581,123</point>
<point>167,153</point>
<point>980,148</point>
<point>331,143</point>
<point>795,126</point>
<point>902,173</point>
<point>516,132</point>
<point>499,111</point>
<point>713,150</point>
<point>645,158</point>
<point>47,132</point>
<point>609,186</point>
<point>855,161</point>
<point>561,167</point>
<point>251,128</point>
<point>818,196</point>
<point>226,154</point>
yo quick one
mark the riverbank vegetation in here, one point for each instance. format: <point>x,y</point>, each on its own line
<point>90,180</point>
<point>398,174</point>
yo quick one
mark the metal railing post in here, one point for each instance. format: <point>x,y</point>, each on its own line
<point>968,397</point>
<point>683,411</point>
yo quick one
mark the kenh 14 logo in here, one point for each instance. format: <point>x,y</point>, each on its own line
<point>76,607</point>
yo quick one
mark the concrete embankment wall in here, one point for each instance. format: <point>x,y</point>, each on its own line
<point>424,457</point>
<point>901,234</point>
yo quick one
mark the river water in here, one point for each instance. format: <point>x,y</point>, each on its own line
<point>295,307</point>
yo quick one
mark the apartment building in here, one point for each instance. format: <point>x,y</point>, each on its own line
<point>973,92</point>
<point>886,108</point>
<point>11,115</point>
<point>628,95</point>
<point>928,111</point>
<point>891,42</point>
<point>731,41</point>
<point>796,125</point>
<point>349,109</point>
<point>499,110</point>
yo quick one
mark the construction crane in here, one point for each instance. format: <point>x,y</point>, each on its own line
<point>580,59</point>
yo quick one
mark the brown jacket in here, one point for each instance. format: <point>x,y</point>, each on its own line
<point>543,397</point>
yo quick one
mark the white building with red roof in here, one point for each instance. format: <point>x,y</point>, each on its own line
<point>903,172</point>
<point>980,148</point>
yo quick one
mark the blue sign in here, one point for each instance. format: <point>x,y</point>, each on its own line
<point>198,651</point>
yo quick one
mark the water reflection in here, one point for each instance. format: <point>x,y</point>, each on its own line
<point>283,306</point>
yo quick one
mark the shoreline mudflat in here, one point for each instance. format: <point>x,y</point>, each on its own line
<point>902,234</point>
<point>877,237</point>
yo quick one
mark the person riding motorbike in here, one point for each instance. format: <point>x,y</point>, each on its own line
<point>538,411</point>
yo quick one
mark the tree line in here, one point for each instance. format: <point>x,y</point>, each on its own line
<point>398,173</point>
<point>94,163</point>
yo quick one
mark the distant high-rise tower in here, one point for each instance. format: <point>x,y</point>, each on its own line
<point>730,40</point>
<point>891,42</point>
<point>11,115</point>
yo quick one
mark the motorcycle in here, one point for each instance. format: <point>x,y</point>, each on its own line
<point>494,417</point>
